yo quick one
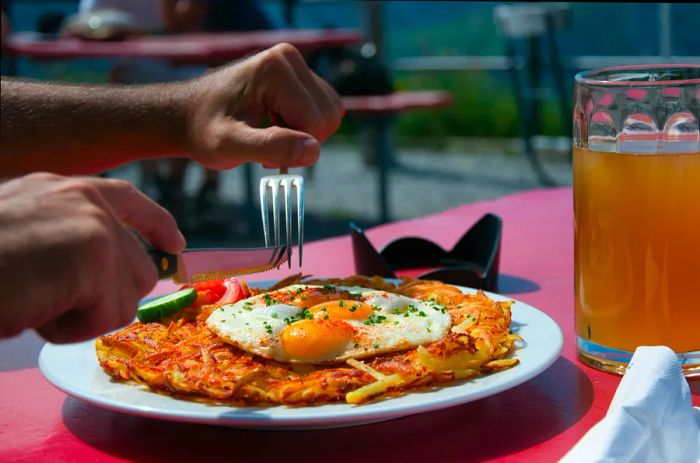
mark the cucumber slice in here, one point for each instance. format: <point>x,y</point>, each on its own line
<point>166,306</point>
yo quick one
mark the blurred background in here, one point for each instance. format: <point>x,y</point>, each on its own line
<point>451,102</point>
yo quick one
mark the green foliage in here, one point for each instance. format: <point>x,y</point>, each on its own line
<point>483,106</point>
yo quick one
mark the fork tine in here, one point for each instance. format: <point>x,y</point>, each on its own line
<point>300,214</point>
<point>276,210</point>
<point>264,210</point>
<point>287,185</point>
<point>275,183</point>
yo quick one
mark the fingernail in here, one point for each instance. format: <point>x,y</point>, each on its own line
<point>305,150</point>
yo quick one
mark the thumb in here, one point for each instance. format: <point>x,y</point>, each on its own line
<point>274,146</point>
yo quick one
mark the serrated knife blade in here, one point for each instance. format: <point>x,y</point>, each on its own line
<point>194,265</point>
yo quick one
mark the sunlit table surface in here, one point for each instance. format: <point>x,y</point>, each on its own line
<point>538,421</point>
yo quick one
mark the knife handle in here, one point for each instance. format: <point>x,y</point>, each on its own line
<point>165,263</point>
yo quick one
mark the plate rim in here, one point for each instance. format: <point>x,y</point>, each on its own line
<point>299,418</point>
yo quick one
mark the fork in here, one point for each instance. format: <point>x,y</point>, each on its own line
<point>286,182</point>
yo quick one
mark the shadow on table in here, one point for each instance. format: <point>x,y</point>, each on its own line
<point>21,351</point>
<point>506,423</point>
<point>512,284</point>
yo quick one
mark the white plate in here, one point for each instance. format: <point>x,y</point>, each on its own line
<point>74,369</point>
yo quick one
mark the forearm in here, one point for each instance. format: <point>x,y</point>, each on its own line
<point>86,129</point>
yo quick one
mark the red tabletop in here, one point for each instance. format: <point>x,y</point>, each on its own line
<point>537,421</point>
<point>397,101</point>
<point>185,48</point>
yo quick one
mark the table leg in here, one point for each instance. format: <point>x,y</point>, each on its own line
<point>383,148</point>
<point>375,140</point>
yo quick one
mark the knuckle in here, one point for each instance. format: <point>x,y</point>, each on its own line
<point>83,188</point>
<point>287,51</point>
<point>272,57</point>
<point>44,177</point>
<point>120,185</point>
<point>278,59</point>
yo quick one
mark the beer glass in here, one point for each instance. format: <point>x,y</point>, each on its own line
<point>637,213</point>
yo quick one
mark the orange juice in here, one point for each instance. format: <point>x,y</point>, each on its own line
<point>637,249</point>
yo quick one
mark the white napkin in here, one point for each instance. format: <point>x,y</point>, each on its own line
<point>651,418</point>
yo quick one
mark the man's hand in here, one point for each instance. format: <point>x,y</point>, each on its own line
<point>69,263</point>
<point>215,119</point>
<point>229,105</point>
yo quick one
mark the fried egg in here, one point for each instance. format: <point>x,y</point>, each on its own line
<point>327,324</point>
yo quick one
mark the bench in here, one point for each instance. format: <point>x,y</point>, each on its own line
<point>375,114</point>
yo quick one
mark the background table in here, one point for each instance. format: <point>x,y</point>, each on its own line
<point>539,420</point>
<point>205,48</point>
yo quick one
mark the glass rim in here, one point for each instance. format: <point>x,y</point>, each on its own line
<point>596,76</point>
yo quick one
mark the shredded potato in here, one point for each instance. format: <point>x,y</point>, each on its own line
<point>180,356</point>
<point>366,368</point>
<point>365,393</point>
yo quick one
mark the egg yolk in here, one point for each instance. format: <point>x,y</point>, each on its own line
<point>312,340</point>
<point>342,310</point>
<point>310,297</point>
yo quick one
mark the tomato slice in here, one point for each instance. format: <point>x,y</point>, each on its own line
<point>216,287</point>
<point>222,291</point>
<point>234,292</point>
<point>206,297</point>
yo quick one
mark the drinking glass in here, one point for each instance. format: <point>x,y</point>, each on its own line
<point>637,213</point>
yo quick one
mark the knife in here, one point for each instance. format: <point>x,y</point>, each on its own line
<point>195,265</point>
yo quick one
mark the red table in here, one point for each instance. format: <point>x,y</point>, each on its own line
<point>537,421</point>
<point>205,49</point>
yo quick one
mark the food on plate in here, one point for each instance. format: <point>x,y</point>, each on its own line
<point>165,306</point>
<point>328,324</point>
<point>305,342</point>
